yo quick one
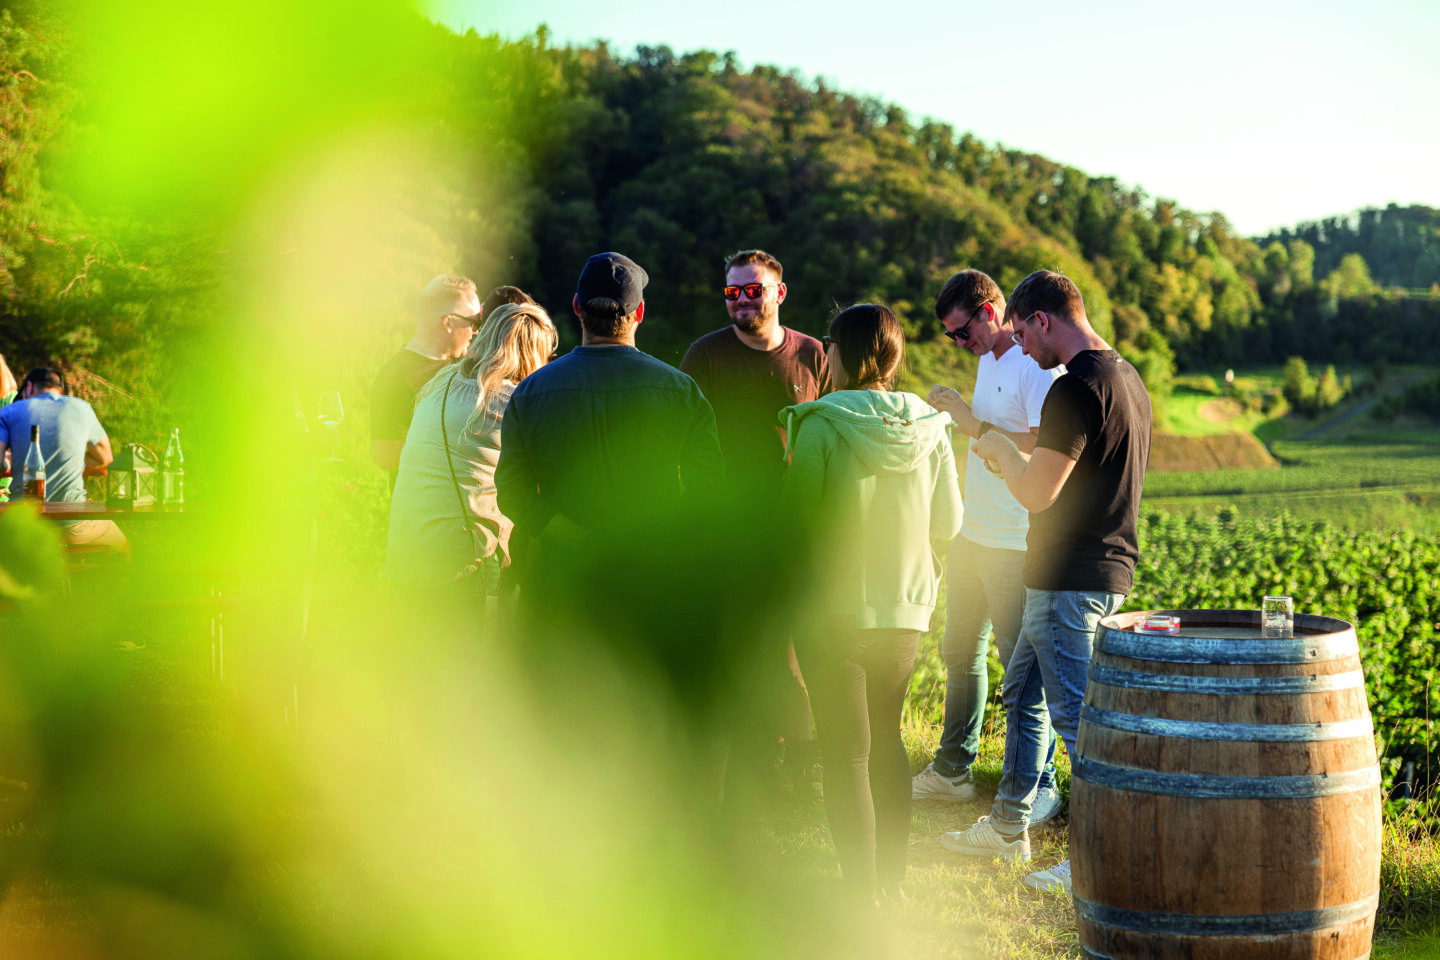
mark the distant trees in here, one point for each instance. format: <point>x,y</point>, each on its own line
<point>1312,395</point>
<point>1400,245</point>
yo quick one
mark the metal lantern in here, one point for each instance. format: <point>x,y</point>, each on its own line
<point>134,477</point>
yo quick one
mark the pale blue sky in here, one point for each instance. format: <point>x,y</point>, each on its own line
<point>1269,112</point>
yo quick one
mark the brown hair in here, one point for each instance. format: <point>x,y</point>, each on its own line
<point>504,294</point>
<point>1054,293</point>
<point>967,290</point>
<point>598,317</point>
<point>746,257</point>
<point>871,342</point>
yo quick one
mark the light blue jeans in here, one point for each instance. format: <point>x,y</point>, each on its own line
<point>1049,668</point>
<point>985,596</point>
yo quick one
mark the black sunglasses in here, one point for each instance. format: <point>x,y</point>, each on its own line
<point>828,341</point>
<point>963,334</point>
<point>474,321</point>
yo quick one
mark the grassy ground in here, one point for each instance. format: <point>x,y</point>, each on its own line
<point>973,908</point>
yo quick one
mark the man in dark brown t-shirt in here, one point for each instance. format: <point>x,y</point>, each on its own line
<point>753,369</point>
<point>750,371</point>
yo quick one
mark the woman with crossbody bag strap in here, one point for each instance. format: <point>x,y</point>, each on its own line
<point>448,540</point>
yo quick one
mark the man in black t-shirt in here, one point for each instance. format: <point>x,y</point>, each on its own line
<point>1082,488</point>
<point>447,312</point>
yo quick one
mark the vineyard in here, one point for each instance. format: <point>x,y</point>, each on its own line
<point>1385,582</point>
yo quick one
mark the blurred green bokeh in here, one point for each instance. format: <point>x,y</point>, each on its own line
<point>239,745</point>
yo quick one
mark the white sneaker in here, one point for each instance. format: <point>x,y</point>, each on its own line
<point>1054,880</point>
<point>981,840</point>
<point>929,785</point>
<point>1046,806</point>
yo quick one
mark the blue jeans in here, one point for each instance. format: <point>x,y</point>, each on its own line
<point>985,595</point>
<point>1049,667</point>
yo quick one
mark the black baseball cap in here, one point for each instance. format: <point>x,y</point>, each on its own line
<point>613,277</point>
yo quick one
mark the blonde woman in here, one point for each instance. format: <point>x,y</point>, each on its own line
<point>446,531</point>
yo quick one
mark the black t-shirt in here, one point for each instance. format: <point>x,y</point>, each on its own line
<point>392,399</point>
<point>1098,414</point>
<point>748,388</point>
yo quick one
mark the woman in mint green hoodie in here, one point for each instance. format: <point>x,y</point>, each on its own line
<point>873,474</point>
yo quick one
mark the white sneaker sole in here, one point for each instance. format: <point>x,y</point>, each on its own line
<point>1015,854</point>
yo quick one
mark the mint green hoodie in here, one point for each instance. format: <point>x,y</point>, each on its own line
<point>875,474</point>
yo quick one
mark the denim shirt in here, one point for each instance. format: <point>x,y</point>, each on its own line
<point>605,436</point>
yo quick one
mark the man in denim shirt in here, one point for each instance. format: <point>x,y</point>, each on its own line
<point>605,437</point>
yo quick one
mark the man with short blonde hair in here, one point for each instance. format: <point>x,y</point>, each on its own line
<point>447,312</point>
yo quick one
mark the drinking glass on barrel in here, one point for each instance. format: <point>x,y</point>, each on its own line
<point>1277,618</point>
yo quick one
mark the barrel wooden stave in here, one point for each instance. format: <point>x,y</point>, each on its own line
<point>1212,856</point>
<point>1245,864</point>
<point>1221,759</point>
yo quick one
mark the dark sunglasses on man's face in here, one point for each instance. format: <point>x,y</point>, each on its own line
<point>963,334</point>
<point>752,291</point>
<point>474,321</point>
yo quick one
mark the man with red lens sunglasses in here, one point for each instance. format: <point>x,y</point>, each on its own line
<point>750,371</point>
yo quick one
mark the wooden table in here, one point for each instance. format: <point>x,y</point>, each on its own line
<point>98,510</point>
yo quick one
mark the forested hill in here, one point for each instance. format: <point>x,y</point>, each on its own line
<point>681,158</point>
<point>1400,245</point>
<point>539,156</point>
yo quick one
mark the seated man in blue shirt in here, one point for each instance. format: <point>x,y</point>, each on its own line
<point>71,439</point>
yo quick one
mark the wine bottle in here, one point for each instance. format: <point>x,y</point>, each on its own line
<point>32,479</point>
<point>172,472</point>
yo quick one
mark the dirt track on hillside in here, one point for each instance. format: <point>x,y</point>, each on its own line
<point>1227,451</point>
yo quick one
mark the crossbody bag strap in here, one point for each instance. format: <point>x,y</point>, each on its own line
<point>445,439</point>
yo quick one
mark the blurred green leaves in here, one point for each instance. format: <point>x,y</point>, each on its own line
<point>32,564</point>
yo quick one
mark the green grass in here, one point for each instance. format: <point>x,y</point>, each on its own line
<point>1194,413</point>
<point>966,907</point>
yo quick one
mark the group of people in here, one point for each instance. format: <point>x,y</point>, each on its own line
<point>71,441</point>
<point>504,447</point>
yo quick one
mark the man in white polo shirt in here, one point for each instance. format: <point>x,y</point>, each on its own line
<point>984,581</point>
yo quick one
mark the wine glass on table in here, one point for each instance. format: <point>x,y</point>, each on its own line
<point>331,412</point>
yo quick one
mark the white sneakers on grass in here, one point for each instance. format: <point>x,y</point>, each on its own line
<point>1054,880</point>
<point>1046,806</point>
<point>982,840</point>
<point>930,785</point>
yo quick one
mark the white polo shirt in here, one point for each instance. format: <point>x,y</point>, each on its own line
<point>1009,393</point>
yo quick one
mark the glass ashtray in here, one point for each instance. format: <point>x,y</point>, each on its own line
<point>1158,623</point>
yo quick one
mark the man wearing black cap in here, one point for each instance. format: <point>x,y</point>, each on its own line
<point>606,436</point>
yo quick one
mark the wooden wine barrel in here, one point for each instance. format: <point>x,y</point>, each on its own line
<point>1225,796</point>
